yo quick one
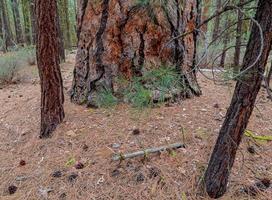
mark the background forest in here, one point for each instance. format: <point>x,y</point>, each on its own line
<point>135,99</point>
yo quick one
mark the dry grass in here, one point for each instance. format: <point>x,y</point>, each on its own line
<point>165,176</point>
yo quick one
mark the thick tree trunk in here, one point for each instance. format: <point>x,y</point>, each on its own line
<point>242,104</point>
<point>6,30</point>
<point>216,28</point>
<point>17,22</point>
<point>52,98</point>
<point>27,24</point>
<point>236,63</point>
<point>125,38</point>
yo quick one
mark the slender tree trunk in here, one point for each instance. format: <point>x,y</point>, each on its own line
<point>1,24</point>
<point>17,22</point>
<point>60,40</point>
<point>6,31</point>
<point>269,75</point>
<point>236,62</point>
<point>216,28</point>
<point>205,14</point>
<point>226,40</point>
<point>33,21</point>
<point>64,22</point>
<point>27,24</point>
<point>242,104</point>
<point>52,98</point>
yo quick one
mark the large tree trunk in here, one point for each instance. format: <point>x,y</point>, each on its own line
<point>125,38</point>
<point>52,97</point>
<point>238,42</point>
<point>17,22</point>
<point>242,104</point>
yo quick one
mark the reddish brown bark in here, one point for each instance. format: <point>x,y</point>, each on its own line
<point>52,99</point>
<point>125,38</point>
<point>242,104</point>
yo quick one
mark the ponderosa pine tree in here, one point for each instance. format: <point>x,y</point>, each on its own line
<point>242,104</point>
<point>124,38</point>
<point>52,98</point>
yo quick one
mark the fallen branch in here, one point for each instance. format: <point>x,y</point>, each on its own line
<point>147,151</point>
<point>249,133</point>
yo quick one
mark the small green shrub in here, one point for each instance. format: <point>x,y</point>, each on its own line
<point>11,62</point>
<point>137,94</point>
<point>28,55</point>
<point>105,99</point>
<point>9,67</point>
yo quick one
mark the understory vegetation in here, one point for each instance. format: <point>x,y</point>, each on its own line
<point>154,86</point>
<point>13,62</point>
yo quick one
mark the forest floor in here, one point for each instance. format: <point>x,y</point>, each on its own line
<point>45,169</point>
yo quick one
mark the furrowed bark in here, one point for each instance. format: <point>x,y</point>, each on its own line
<point>124,38</point>
<point>52,98</point>
<point>242,104</point>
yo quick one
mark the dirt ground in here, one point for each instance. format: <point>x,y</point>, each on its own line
<point>91,137</point>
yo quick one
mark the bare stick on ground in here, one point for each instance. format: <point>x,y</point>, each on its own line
<point>147,151</point>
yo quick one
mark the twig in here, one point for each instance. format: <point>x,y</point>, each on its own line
<point>147,151</point>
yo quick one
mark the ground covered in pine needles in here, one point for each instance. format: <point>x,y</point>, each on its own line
<point>76,162</point>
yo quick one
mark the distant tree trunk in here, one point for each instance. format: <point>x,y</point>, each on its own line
<point>205,14</point>
<point>33,21</point>
<point>269,75</point>
<point>64,22</point>
<point>216,28</point>
<point>6,30</point>
<point>27,24</point>
<point>52,98</point>
<point>242,104</point>
<point>60,39</point>
<point>225,40</point>
<point>17,22</point>
<point>236,61</point>
<point>125,37</point>
<point>1,26</point>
